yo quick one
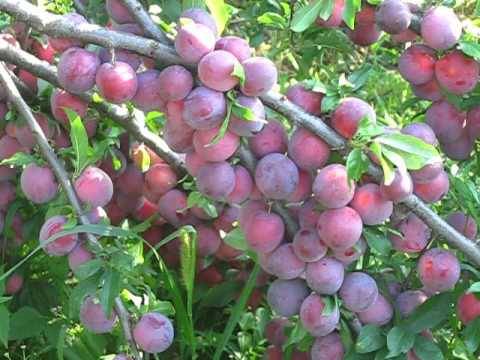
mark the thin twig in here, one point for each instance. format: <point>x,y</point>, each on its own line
<point>16,99</point>
<point>145,21</point>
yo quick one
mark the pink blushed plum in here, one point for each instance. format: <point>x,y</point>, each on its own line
<point>38,183</point>
<point>94,318</point>
<point>61,246</point>
<point>153,333</point>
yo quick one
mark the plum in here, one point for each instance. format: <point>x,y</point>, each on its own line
<point>263,231</point>
<point>304,188</point>
<point>216,69</point>
<point>307,245</point>
<point>407,301</point>
<point>271,139</point>
<point>38,183</point>
<point>119,12</point>
<point>393,16</point>
<point>63,43</point>
<point>94,187</point>
<point>93,316</point>
<point>117,83</point>
<point>325,276</point>
<point>160,178</point>
<point>358,292</point>
<point>440,28</point>
<point>463,223</point>
<point>371,205</point>
<point>328,347</point>
<point>275,330</point>
<point>366,31</point>
<point>457,72</point>
<point>379,313</point>
<point>438,270</point>
<point>339,228</point>
<point>240,48</point>
<point>61,99</point>
<point>399,189</point>
<point>248,127</point>
<point>77,69</point>
<point>284,264</point>
<point>276,176</point>
<point>200,16</point>
<point>308,100</point>
<point>433,190</point>
<point>415,235</point>
<point>336,18</point>
<point>285,297</point>
<point>446,121</point>
<point>243,186</point>
<point>216,180</point>
<point>193,41</point>
<point>147,97</point>
<point>468,307</point>
<point>61,246</point>
<point>315,320</point>
<point>174,83</point>
<point>348,114</point>
<point>14,284</point>
<point>331,187</point>
<point>79,256</point>
<point>210,150</point>
<point>308,151</point>
<point>204,108</point>
<point>417,64</point>
<point>260,76</point>
<point>153,333</point>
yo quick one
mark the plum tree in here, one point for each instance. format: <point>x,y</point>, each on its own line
<point>314,320</point>
<point>285,297</point>
<point>348,114</point>
<point>284,264</point>
<point>215,70</point>
<point>38,183</point>
<point>331,187</point>
<point>308,151</point>
<point>94,318</point>
<point>393,16</point>
<point>77,69</point>
<point>271,139</point>
<point>328,347</point>
<point>440,28</point>
<point>276,176</point>
<point>248,127</point>
<point>260,76</point>
<point>263,231</point>
<point>358,292</point>
<point>94,187</point>
<point>417,64</point>
<point>339,228</point>
<point>174,83</point>
<point>307,245</point>
<point>209,149</point>
<point>204,108</point>
<point>61,246</point>
<point>463,223</point>
<point>438,270</point>
<point>216,180</point>
<point>468,307</point>
<point>415,235</point>
<point>379,313</point>
<point>371,205</point>
<point>325,276</point>
<point>457,72</point>
<point>193,41</point>
<point>117,83</point>
<point>407,301</point>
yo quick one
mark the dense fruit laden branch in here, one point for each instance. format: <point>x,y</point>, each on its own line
<point>16,99</point>
<point>55,25</point>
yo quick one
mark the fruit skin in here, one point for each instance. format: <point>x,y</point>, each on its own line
<point>276,176</point>
<point>245,127</point>
<point>308,151</point>
<point>193,41</point>
<point>468,308</point>
<point>215,70</point>
<point>400,188</point>
<point>457,72</point>
<point>325,276</point>
<point>446,121</point>
<point>119,12</point>
<point>147,96</point>
<point>208,150</point>
<point>77,69</point>
<point>117,82</point>
<point>348,114</point>
<point>308,100</point>
<point>94,187</point>
<point>284,264</point>
<point>79,256</point>
<point>61,246</point>
<point>61,44</point>
<point>371,205</point>
<point>94,318</point>
<point>204,108</point>
<point>308,246</point>
<point>393,16</point>
<point>438,270</point>
<point>285,297</point>
<point>379,313</point>
<point>417,64</point>
<point>263,231</point>
<point>312,318</point>
<point>61,99</point>
<point>339,228</point>
<point>328,347</point>
<point>216,180</point>
<point>38,183</point>
<point>366,31</point>
<point>433,190</point>
<point>335,20</point>
<point>331,187</point>
<point>408,301</point>
<point>260,76</point>
<point>153,333</point>
<point>239,47</point>
<point>14,284</point>
<point>358,292</point>
<point>463,223</point>
<point>271,139</point>
<point>440,28</point>
<point>201,16</point>
<point>415,235</point>
<point>174,83</point>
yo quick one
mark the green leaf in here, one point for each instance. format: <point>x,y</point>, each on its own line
<point>88,269</point>
<point>220,295</point>
<point>378,242</point>
<point>306,16</point>
<point>359,77</point>
<point>272,19</point>
<point>315,86</point>
<point>431,313</point>
<point>244,113</point>
<point>399,340</point>
<point>79,139</point>
<point>477,8</point>
<point>220,13</point>
<point>367,129</point>
<point>19,159</point>
<point>471,335</point>
<point>4,325</point>
<point>329,103</point>
<point>418,152</point>
<point>330,305</point>
<point>79,292</point>
<point>239,72</point>
<point>326,10</point>
<point>474,288</point>
<point>237,311</point>
<point>369,339</point>
<point>223,129</point>
<point>470,48</point>
<point>357,164</point>
<point>349,12</point>
<point>188,255</point>
<point>196,198</point>
<point>26,323</point>
<point>426,349</point>
<point>110,290</point>
<point>236,239</point>
<point>388,172</point>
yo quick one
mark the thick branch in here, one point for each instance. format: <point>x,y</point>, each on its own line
<point>144,19</point>
<point>119,114</point>
<point>16,99</point>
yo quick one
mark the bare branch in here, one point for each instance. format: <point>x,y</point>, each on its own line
<point>144,19</point>
<point>16,99</point>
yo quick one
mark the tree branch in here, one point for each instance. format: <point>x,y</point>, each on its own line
<point>145,21</point>
<point>16,99</point>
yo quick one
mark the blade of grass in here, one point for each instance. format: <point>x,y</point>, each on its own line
<point>237,311</point>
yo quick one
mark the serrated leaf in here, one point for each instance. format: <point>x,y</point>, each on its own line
<point>239,73</point>
<point>399,340</point>
<point>359,77</point>
<point>357,164</point>
<point>236,239</point>
<point>220,13</point>
<point>367,129</point>
<point>110,290</point>
<point>369,339</point>
<point>306,16</point>
<point>79,140</point>
<point>426,349</point>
